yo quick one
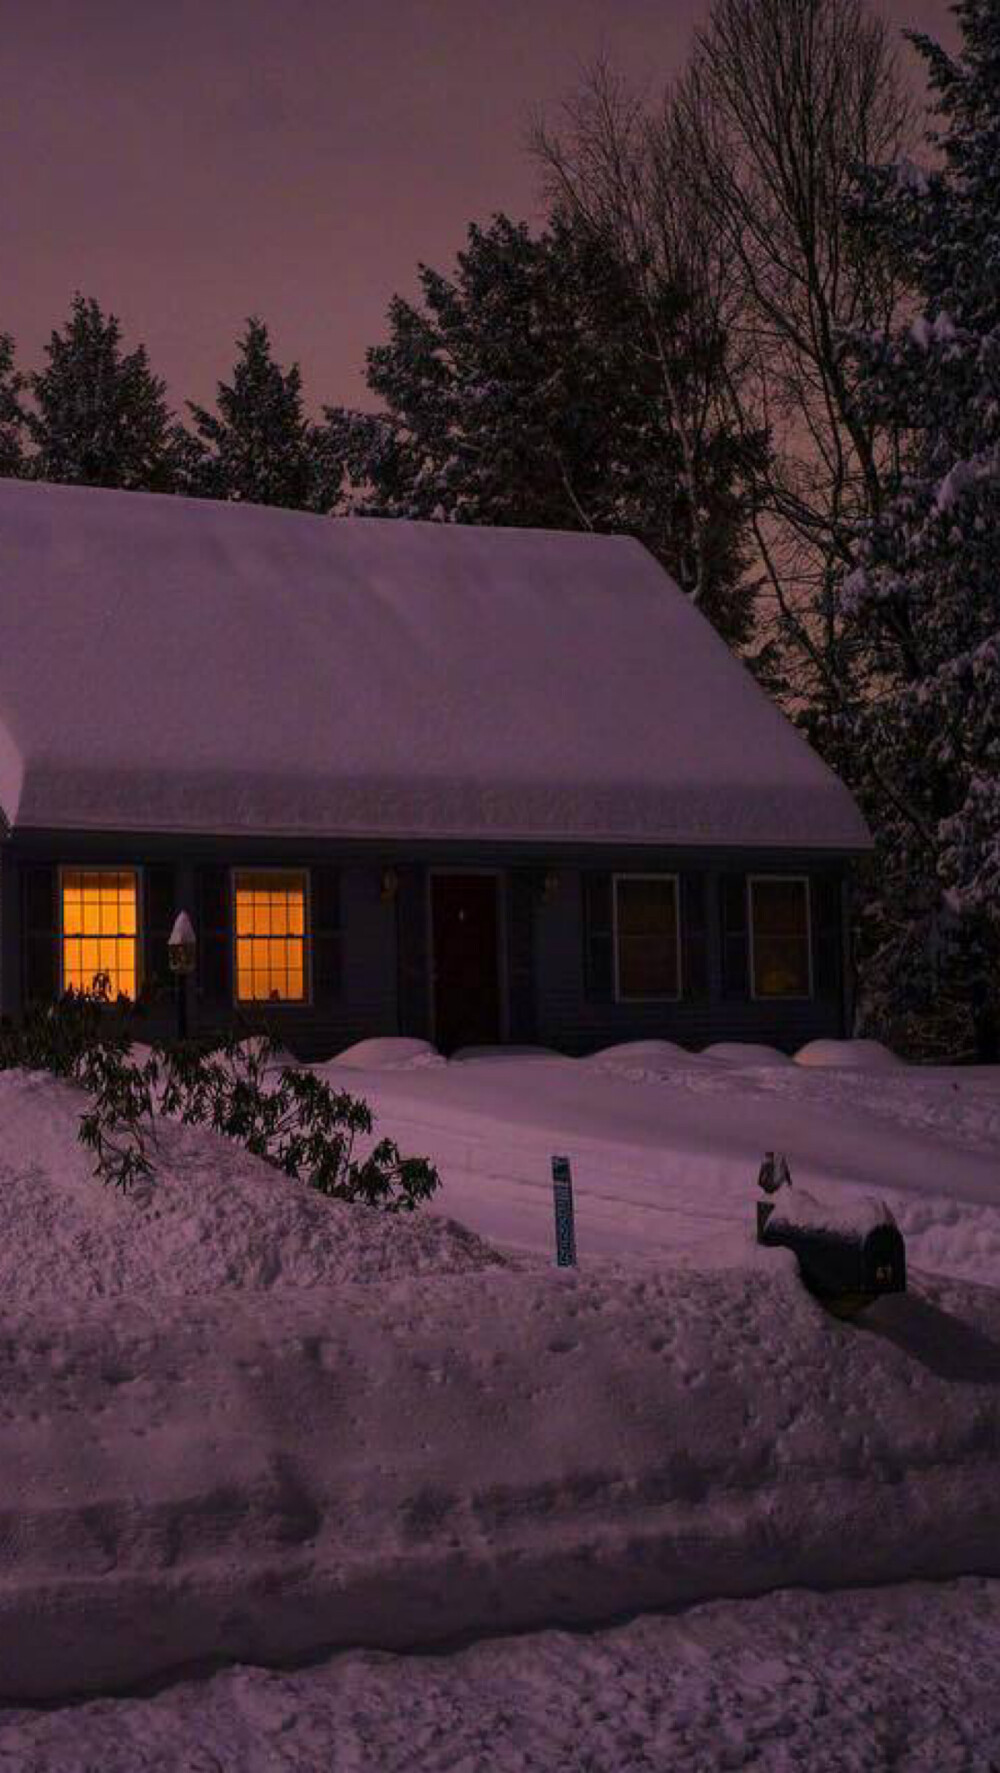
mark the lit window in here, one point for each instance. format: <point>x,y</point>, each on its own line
<point>779,929</point>
<point>646,936</point>
<point>270,936</point>
<point>99,929</point>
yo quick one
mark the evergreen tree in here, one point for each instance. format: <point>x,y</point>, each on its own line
<point>11,411</point>
<point>920,736</point>
<point>259,446</point>
<point>100,416</point>
<point>524,390</point>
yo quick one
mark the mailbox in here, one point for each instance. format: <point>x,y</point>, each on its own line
<point>846,1266</point>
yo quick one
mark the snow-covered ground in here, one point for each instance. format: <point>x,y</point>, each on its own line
<point>665,1145</point>
<point>501,1515</point>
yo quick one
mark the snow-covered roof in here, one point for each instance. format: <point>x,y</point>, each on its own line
<point>175,664</point>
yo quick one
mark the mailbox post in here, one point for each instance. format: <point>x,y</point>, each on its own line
<point>182,952</point>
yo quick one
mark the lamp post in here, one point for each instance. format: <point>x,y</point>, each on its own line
<point>181,951</point>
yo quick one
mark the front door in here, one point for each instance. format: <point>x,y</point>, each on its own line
<point>465,931</point>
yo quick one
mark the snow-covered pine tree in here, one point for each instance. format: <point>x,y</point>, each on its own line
<point>99,416</point>
<point>523,390</point>
<point>259,445</point>
<point>11,411</point>
<point>920,739</point>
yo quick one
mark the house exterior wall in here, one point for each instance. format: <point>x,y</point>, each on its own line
<point>575,1020</point>
<point>357,997</point>
<point>373,964</point>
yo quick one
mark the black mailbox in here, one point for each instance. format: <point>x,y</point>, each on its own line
<point>846,1268</point>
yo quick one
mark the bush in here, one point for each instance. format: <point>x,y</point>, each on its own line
<point>293,1120</point>
<point>290,1118</point>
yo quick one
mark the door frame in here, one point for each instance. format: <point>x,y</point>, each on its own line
<point>499,875</point>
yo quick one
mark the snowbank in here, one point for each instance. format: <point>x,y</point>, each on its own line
<point>867,1055</point>
<point>394,1466</point>
<point>665,1154</point>
<point>389,1052</point>
<point>746,1052</point>
<point>216,1217</point>
<point>653,1054</point>
<point>218,1442</point>
<point>791,1681</point>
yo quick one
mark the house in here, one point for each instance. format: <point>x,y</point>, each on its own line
<point>469,784</point>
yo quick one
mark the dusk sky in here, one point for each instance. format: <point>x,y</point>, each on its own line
<point>189,162</point>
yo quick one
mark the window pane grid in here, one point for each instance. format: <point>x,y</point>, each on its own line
<point>780,915</point>
<point>100,925</point>
<point>646,931</point>
<point>270,937</point>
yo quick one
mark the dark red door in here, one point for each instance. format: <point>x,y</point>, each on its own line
<point>466,967</point>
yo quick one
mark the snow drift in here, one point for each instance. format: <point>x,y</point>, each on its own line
<point>216,1218</point>
<point>252,1478</point>
<point>220,1440</point>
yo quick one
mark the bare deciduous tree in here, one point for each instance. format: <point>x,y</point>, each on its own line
<point>608,167</point>
<point>740,176</point>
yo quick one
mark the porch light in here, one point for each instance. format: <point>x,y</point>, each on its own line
<point>550,887</point>
<point>390,884</point>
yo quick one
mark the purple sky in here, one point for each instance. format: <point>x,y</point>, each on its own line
<point>190,161</point>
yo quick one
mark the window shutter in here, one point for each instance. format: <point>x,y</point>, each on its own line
<point>694,935</point>
<point>735,938</point>
<point>413,959</point>
<point>159,911</point>
<point>524,884</point>
<point>41,935</point>
<point>824,906</point>
<point>325,934</point>
<point>215,935</point>
<point>598,940</point>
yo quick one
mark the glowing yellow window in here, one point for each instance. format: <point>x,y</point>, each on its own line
<point>270,936</point>
<point>100,929</point>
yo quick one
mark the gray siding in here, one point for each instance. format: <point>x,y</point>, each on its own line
<point>384,985</point>
<point>571,1022</point>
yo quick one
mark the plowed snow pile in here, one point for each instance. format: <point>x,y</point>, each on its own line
<point>219,1441</point>
<point>256,1476</point>
<point>886,1680</point>
<point>215,1218</point>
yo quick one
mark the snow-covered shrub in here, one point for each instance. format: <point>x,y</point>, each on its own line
<point>291,1118</point>
<point>294,1120</point>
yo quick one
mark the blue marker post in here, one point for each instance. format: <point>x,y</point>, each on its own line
<point>562,1196</point>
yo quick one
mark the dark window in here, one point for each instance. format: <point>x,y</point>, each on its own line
<point>779,927</point>
<point>647,946</point>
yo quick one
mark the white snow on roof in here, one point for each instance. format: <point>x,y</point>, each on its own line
<point>172,664</point>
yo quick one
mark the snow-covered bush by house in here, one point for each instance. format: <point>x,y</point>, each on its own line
<point>289,1117</point>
